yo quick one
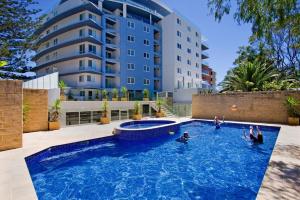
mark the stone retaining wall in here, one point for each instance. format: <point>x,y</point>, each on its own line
<point>253,106</point>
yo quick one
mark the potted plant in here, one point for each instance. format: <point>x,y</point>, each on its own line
<point>159,104</point>
<point>97,95</point>
<point>291,104</point>
<point>137,111</point>
<point>146,95</point>
<point>115,94</point>
<point>124,94</point>
<point>54,115</point>
<point>62,86</point>
<point>105,119</point>
<point>104,95</point>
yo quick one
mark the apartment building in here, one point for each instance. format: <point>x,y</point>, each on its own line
<point>208,76</point>
<point>106,44</point>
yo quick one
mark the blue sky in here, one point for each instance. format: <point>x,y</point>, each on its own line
<point>224,38</point>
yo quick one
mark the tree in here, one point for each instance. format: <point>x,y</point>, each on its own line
<point>249,77</point>
<point>18,23</point>
<point>274,23</point>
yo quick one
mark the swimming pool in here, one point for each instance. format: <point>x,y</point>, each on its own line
<point>215,164</point>
<point>145,124</point>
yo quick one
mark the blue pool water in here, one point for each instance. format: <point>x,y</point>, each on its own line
<point>215,164</point>
<point>145,124</point>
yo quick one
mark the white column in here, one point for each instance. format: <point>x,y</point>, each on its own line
<point>124,10</point>
<point>151,19</point>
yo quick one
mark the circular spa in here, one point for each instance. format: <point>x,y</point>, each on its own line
<point>146,129</point>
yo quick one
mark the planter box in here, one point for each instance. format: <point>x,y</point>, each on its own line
<point>53,126</point>
<point>104,120</point>
<point>159,115</point>
<point>115,99</point>
<point>62,97</point>
<point>124,99</point>
<point>146,99</point>
<point>293,121</point>
<point>104,99</point>
<point>137,117</point>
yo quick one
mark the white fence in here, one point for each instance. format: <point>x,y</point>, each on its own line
<point>45,82</point>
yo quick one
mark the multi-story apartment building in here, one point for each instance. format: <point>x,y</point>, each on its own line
<point>106,44</point>
<point>208,77</point>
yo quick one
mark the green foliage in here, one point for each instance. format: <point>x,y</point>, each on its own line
<point>104,94</point>
<point>137,108</point>
<point>274,24</point>
<point>26,110</point>
<point>249,77</point>
<point>115,93</point>
<point>17,26</point>
<point>159,103</point>
<point>146,93</point>
<point>292,105</point>
<point>97,94</point>
<point>55,111</point>
<point>124,92</point>
<point>105,108</point>
<point>62,85</point>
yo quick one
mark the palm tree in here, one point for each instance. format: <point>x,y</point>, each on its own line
<point>62,85</point>
<point>249,77</point>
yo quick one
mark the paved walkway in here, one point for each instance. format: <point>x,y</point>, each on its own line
<point>281,180</point>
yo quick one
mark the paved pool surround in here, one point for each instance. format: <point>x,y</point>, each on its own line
<point>280,181</point>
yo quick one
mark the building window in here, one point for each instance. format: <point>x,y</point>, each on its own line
<point>189,50</point>
<point>54,55</point>
<point>189,62</point>
<point>178,46</point>
<point>188,39</point>
<point>81,33</point>
<point>131,25</point>
<point>178,58</point>
<point>146,68</point>
<point>89,78</point>
<point>147,55</point>
<point>92,49</point>
<point>130,66</point>
<point>81,16</point>
<point>130,80</point>
<point>189,28</point>
<point>55,28</point>
<point>197,45</point>
<point>178,33</point>
<point>47,58</point>
<point>55,41</point>
<point>146,82</point>
<point>47,45</point>
<point>92,33</point>
<point>81,49</point>
<point>130,38</point>
<point>130,52</point>
<point>178,21</point>
<point>179,71</point>
<point>146,29</point>
<point>82,93</point>
<point>197,65</point>
<point>146,42</point>
<point>48,31</point>
<point>81,64</point>
<point>189,73</point>
<point>81,78</point>
<point>197,34</point>
<point>90,63</point>
<point>197,75</point>
<point>92,17</point>
<point>197,55</point>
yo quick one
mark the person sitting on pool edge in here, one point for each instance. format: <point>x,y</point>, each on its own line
<point>252,137</point>
<point>184,138</point>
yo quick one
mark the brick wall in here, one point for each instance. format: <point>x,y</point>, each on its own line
<point>10,114</point>
<point>253,107</point>
<point>37,116</point>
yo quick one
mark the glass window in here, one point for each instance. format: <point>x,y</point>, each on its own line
<point>131,52</point>
<point>92,48</point>
<point>146,55</point>
<point>81,16</point>
<point>96,116</point>
<point>115,115</point>
<point>131,24</point>
<point>178,58</point>
<point>81,78</point>
<point>131,38</point>
<point>130,80</point>
<point>82,49</point>
<point>85,117</point>
<point>146,29</point>
<point>146,82</point>
<point>89,78</point>
<point>146,42</point>
<point>72,118</point>
<point>55,41</point>
<point>178,46</point>
<point>146,68</point>
<point>189,50</point>
<point>178,33</point>
<point>130,66</point>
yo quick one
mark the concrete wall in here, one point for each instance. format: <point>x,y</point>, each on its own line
<point>254,107</point>
<point>37,116</point>
<point>10,114</point>
<point>49,81</point>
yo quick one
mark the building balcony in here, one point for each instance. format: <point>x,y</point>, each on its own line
<point>204,63</point>
<point>89,85</point>
<point>204,55</point>
<point>204,46</point>
<point>110,19</point>
<point>78,40</point>
<point>112,60</point>
<point>61,30</point>
<point>111,71</point>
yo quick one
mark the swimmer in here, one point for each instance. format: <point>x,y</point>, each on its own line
<point>253,137</point>
<point>217,122</point>
<point>184,138</point>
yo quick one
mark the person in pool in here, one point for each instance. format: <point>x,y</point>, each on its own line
<point>184,138</point>
<point>253,137</point>
<point>217,122</point>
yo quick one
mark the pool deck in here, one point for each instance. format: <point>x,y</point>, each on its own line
<point>281,181</point>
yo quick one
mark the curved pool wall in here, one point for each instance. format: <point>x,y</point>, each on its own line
<point>146,129</point>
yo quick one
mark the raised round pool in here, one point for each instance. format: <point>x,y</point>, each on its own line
<point>145,129</point>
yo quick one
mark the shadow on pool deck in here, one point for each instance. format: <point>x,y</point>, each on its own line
<point>283,177</point>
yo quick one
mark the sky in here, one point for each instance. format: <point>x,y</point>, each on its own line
<point>223,38</point>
